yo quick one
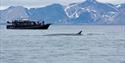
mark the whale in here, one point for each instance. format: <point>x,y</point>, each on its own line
<point>66,34</point>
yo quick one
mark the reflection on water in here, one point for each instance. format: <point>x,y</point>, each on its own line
<point>98,44</point>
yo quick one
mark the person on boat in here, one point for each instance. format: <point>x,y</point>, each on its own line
<point>34,23</point>
<point>42,22</point>
<point>38,23</point>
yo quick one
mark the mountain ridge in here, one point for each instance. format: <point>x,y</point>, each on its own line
<point>88,12</point>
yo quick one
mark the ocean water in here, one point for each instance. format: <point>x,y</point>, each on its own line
<point>98,44</point>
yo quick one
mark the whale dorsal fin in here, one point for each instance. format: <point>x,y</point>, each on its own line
<point>79,32</point>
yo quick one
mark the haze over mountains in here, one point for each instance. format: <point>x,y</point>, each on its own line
<point>88,12</point>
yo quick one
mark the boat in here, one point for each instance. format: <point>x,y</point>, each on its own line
<point>26,24</point>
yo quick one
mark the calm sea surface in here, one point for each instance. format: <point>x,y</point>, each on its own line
<point>98,44</point>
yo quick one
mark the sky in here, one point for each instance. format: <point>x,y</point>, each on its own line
<point>40,3</point>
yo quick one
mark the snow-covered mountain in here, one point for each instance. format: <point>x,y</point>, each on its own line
<point>120,18</point>
<point>121,8</point>
<point>53,13</point>
<point>92,12</point>
<point>88,12</point>
<point>12,13</point>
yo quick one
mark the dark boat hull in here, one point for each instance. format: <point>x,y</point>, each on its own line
<point>46,26</point>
